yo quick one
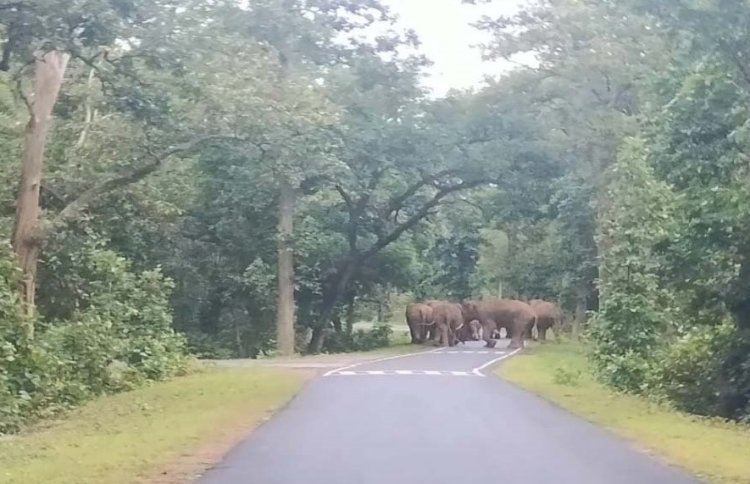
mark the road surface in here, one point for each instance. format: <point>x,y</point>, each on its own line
<point>432,418</point>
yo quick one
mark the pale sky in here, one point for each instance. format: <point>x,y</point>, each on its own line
<point>443,26</point>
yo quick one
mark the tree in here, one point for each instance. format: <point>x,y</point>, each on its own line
<point>45,35</point>
<point>585,90</point>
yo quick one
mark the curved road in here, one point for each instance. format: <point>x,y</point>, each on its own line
<point>432,418</point>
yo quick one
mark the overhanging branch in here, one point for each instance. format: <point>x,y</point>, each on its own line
<point>382,242</point>
<point>88,196</point>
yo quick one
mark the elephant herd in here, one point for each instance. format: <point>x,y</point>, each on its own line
<point>447,323</point>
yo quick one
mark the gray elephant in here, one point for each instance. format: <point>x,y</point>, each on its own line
<point>515,316</point>
<point>548,314</point>
<point>419,319</point>
<point>448,320</point>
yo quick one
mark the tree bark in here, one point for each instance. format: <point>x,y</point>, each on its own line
<point>89,111</point>
<point>739,304</point>
<point>580,315</point>
<point>329,306</point>
<point>48,79</point>
<point>350,312</point>
<point>285,304</point>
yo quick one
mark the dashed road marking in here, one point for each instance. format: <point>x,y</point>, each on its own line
<point>388,358</point>
<point>471,352</point>
<point>402,373</point>
<point>351,371</point>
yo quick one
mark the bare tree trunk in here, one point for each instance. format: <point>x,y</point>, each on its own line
<point>238,339</point>
<point>580,315</point>
<point>285,304</point>
<point>89,111</point>
<point>350,312</point>
<point>48,79</point>
<point>329,306</point>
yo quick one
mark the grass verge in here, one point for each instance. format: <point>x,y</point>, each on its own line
<point>148,433</point>
<point>714,450</point>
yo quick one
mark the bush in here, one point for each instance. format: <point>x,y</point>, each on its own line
<point>359,340</point>
<point>120,338</point>
<point>707,372</point>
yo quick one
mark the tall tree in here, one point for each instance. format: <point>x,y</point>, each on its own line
<point>43,36</point>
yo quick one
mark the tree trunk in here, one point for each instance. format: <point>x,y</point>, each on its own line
<point>285,304</point>
<point>48,79</point>
<point>89,111</point>
<point>739,299</point>
<point>337,326</point>
<point>329,305</point>
<point>580,315</point>
<point>241,352</point>
<point>350,313</point>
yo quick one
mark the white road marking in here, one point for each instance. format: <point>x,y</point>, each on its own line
<point>472,352</point>
<point>378,360</point>
<point>348,370</point>
<point>404,372</point>
<point>478,370</point>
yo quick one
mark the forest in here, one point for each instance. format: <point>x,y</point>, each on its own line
<point>236,179</point>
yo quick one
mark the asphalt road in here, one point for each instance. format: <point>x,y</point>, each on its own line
<point>432,418</point>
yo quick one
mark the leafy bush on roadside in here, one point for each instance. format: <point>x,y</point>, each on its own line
<point>119,338</point>
<point>359,340</point>
<point>706,372</point>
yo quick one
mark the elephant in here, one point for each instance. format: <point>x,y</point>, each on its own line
<point>418,317</point>
<point>548,314</point>
<point>515,316</point>
<point>470,331</point>
<point>448,320</point>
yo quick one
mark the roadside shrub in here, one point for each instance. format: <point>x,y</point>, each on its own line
<point>120,337</point>
<point>359,340</point>
<point>378,337</point>
<point>707,372</point>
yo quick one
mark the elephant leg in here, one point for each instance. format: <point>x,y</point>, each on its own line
<point>528,334</point>
<point>423,332</point>
<point>413,331</point>
<point>487,329</point>
<point>542,333</point>
<point>516,337</point>
<point>446,336</point>
<point>441,336</point>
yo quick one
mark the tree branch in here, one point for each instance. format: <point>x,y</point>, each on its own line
<point>418,216</point>
<point>396,202</point>
<point>75,207</point>
<point>347,199</point>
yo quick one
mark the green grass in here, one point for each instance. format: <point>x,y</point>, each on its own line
<point>130,436</point>
<point>714,450</point>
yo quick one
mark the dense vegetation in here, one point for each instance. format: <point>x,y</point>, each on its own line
<point>215,172</point>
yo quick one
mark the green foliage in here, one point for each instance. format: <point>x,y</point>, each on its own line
<point>700,372</point>
<point>609,175</point>
<point>359,340</point>
<point>119,336</point>
<point>632,317</point>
